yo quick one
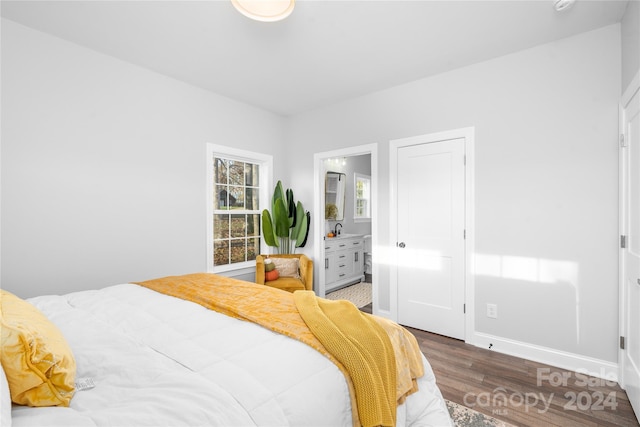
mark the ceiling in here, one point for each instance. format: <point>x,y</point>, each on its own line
<point>325,52</point>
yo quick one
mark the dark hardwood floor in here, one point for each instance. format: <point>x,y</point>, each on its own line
<point>519,391</point>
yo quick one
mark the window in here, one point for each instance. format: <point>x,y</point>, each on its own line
<point>362,195</point>
<point>237,186</point>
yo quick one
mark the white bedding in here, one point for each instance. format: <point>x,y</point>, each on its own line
<point>156,360</point>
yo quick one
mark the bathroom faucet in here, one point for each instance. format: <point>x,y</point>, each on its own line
<point>336,231</point>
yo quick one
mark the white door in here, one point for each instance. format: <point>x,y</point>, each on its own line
<point>430,248</point>
<point>631,253</point>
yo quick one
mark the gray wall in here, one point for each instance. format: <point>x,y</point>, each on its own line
<point>546,122</point>
<point>103,166</point>
<point>630,43</point>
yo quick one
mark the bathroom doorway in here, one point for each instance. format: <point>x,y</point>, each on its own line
<point>350,233</point>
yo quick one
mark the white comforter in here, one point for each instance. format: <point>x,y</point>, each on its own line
<point>160,361</point>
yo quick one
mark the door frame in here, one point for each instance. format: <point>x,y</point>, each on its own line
<point>318,204</point>
<point>628,94</point>
<point>468,134</point>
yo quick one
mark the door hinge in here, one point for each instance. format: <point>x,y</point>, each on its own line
<point>464,160</point>
<point>464,308</point>
<point>464,234</point>
<point>623,242</point>
<point>623,141</point>
<point>622,343</point>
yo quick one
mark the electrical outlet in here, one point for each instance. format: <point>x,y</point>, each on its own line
<point>492,311</point>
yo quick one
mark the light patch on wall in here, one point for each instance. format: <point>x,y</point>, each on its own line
<point>535,270</point>
<point>527,268</point>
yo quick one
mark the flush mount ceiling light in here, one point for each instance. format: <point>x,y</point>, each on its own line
<point>265,10</point>
<point>561,5</point>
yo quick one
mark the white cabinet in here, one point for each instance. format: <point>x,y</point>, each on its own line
<point>343,261</point>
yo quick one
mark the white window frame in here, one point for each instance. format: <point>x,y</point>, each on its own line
<point>265,161</point>
<point>356,177</point>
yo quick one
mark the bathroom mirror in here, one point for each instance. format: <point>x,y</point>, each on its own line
<point>334,195</point>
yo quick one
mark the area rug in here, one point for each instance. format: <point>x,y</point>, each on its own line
<point>359,294</point>
<point>467,417</point>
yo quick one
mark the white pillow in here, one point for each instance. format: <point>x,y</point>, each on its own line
<point>5,401</point>
<point>287,267</point>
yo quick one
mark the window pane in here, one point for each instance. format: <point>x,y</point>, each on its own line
<point>222,197</point>
<point>253,248</point>
<point>236,197</point>
<point>220,170</point>
<point>238,250</point>
<point>362,209</point>
<point>251,175</point>
<point>236,186</point>
<point>251,199</point>
<point>238,225</point>
<point>236,172</point>
<point>220,252</point>
<point>221,226</point>
<point>253,225</point>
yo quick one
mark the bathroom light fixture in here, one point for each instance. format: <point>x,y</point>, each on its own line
<point>561,5</point>
<point>265,10</point>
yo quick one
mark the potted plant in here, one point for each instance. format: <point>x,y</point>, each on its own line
<point>286,226</point>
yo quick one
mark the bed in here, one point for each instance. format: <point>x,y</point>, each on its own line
<point>147,358</point>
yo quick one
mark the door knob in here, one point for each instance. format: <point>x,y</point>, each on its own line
<point>401,245</point>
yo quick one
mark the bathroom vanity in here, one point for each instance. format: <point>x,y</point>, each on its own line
<point>343,261</point>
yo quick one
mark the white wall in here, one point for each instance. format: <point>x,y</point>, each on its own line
<point>545,175</point>
<point>630,43</point>
<point>103,166</point>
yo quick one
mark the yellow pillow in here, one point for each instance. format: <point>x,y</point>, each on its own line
<point>36,358</point>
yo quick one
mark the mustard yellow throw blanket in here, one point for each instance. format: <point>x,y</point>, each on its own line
<point>380,359</point>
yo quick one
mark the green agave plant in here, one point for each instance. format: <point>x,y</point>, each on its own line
<point>286,227</point>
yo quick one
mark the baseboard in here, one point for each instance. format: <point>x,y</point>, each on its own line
<point>558,358</point>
